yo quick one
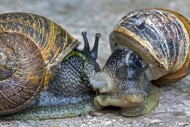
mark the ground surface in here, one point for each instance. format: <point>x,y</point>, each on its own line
<point>101,16</point>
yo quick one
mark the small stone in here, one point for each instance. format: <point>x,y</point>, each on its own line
<point>156,121</point>
<point>108,123</point>
<point>183,124</point>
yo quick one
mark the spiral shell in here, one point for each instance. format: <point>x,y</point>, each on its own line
<point>30,47</point>
<point>160,37</point>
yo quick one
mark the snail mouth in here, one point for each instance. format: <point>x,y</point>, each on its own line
<point>129,101</point>
<point>103,82</point>
<point>134,104</point>
<point>137,98</point>
<point>129,105</point>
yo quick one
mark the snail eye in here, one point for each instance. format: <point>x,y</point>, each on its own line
<point>122,72</point>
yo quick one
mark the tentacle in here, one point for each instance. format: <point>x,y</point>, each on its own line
<point>94,51</point>
<point>86,43</point>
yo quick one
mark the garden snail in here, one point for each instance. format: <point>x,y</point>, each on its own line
<point>34,51</point>
<point>148,45</point>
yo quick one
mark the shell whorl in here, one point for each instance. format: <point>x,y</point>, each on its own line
<point>30,45</point>
<point>160,37</point>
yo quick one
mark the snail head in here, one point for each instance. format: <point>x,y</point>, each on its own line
<point>127,85</point>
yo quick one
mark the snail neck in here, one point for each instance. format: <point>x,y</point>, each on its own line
<point>74,72</point>
<point>71,82</point>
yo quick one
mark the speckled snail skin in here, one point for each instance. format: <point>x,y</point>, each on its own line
<point>42,69</point>
<point>150,46</point>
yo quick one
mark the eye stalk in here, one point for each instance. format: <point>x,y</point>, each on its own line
<point>94,52</point>
<point>86,43</point>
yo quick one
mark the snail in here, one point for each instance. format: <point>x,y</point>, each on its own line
<point>149,47</point>
<point>42,72</point>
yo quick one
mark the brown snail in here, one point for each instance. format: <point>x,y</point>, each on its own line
<point>150,46</point>
<point>36,54</point>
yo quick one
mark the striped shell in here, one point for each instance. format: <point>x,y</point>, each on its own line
<point>160,37</point>
<point>30,47</point>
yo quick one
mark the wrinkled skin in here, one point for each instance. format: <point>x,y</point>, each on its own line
<point>126,84</point>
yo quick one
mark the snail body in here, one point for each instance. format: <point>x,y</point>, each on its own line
<point>150,46</point>
<point>33,51</point>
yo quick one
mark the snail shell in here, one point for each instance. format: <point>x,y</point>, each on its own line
<point>160,37</point>
<point>148,45</point>
<point>30,47</point>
